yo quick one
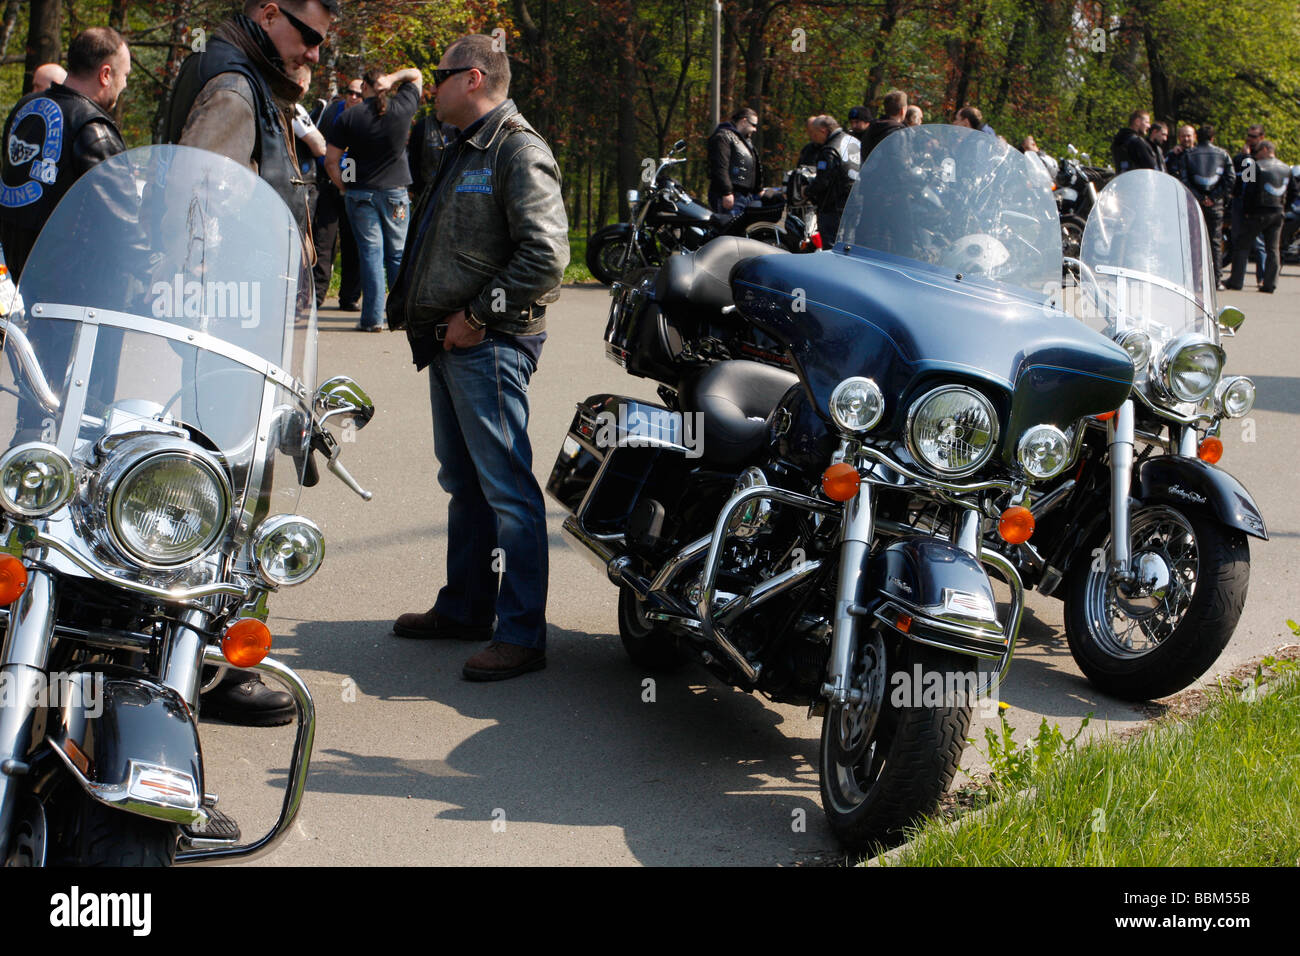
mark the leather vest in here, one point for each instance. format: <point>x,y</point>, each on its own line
<point>1268,192</point>
<point>1204,167</point>
<point>39,166</point>
<point>275,163</point>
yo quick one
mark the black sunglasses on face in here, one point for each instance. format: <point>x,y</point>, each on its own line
<point>309,36</point>
<point>352,93</point>
<point>442,76</point>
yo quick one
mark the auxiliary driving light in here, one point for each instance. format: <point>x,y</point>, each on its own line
<point>289,549</point>
<point>246,642</point>
<point>35,479</point>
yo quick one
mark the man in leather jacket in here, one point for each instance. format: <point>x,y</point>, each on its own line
<point>838,161</point>
<point>1263,198</point>
<point>1174,158</point>
<point>236,98</point>
<point>52,138</point>
<point>1207,171</point>
<point>735,173</point>
<point>1130,149</point>
<point>485,254</point>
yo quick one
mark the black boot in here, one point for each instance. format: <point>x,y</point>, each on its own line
<point>241,698</point>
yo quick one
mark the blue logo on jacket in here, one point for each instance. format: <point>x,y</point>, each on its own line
<point>475,181</point>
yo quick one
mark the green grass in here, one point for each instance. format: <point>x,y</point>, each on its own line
<point>1222,789</point>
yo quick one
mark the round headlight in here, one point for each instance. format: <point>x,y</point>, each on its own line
<point>857,404</point>
<point>952,430</point>
<point>1191,368</point>
<point>169,508</point>
<point>1236,396</point>
<point>1044,451</point>
<point>35,479</point>
<point>288,549</point>
<point>1138,346</point>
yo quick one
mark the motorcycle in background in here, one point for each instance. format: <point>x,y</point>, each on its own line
<point>812,529</point>
<point>1075,189</point>
<point>1146,539</point>
<point>158,424</point>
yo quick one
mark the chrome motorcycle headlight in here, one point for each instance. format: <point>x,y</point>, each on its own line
<point>1044,451</point>
<point>288,548</point>
<point>1138,346</point>
<point>170,507</point>
<point>1235,396</point>
<point>857,404</point>
<point>35,479</point>
<point>1190,367</point>
<point>952,430</point>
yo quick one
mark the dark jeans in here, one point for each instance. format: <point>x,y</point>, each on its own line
<point>1253,226</point>
<point>1257,254</point>
<point>1214,224</point>
<point>331,230</point>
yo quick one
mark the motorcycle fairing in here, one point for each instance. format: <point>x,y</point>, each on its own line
<point>113,725</point>
<point>1190,483</point>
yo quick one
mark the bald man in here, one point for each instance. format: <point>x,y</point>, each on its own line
<point>46,75</point>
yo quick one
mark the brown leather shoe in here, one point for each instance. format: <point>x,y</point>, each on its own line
<point>431,624</point>
<point>499,661</point>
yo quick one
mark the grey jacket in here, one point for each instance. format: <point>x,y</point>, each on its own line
<point>497,242</point>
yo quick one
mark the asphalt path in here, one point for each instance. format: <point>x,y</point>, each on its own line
<point>584,763</point>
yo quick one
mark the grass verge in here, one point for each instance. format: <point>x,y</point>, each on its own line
<point>1221,788</point>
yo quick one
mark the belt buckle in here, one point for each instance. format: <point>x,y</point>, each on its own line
<point>440,332</point>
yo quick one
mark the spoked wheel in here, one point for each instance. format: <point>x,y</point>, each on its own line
<point>1157,636</point>
<point>612,252</point>
<point>883,766</point>
<point>1071,237</point>
<point>648,644</point>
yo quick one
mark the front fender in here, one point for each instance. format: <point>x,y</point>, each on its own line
<point>131,743</point>
<point>1193,484</point>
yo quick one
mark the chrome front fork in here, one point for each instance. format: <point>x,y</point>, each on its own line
<point>23,666</point>
<point>855,544</point>
<point>1120,435</point>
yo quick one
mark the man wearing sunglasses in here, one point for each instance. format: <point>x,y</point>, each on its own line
<point>484,257</point>
<point>237,98</point>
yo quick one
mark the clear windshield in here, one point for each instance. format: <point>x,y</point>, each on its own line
<point>961,200</point>
<point>168,289</point>
<point>1148,260</point>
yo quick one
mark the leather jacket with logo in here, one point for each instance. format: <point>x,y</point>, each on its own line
<point>1267,194</point>
<point>1207,171</point>
<point>51,139</point>
<point>734,167</point>
<point>497,238</point>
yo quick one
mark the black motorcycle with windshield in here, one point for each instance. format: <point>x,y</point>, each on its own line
<point>810,526</point>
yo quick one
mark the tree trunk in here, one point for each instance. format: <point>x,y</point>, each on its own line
<point>175,56</point>
<point>628,158</point>
<point>43,39</point>
<point>876,77</point>
<point>117,15</point>
<point>7,25</point>
<point>538,42</point>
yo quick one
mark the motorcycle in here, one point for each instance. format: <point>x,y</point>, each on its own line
<point>1145,540</point>
<point>1075,189</point>
<point>812,529</point>
<point>666,219</point>
<point>157,429</point>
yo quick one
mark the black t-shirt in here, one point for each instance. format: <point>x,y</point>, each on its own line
<point>378,143</point>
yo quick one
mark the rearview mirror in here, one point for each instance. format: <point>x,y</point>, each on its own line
<point>340,394</point>
<point>1230,318</point>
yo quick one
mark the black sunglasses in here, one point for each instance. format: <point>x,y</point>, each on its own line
<point>309,36</point>
<point>353,93</point>
<point>442,76</point>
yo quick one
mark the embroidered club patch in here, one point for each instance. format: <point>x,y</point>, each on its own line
<point>475,181</point>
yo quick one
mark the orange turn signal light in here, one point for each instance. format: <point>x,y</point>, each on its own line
<point>840,482</point>
<point>1016,526</point>
<point>246,642</point>
<point>905,623</point>
<point>13,579</point>
<point>1104,416</point>
<point>1210,450</point>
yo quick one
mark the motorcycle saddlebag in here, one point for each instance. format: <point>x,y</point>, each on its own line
<point>638,335</point>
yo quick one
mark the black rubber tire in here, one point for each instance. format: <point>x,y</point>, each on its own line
<point>651,647</point>
<point>605,250</point>
<point>97,835</point>
<point>1222,579</point>
<point>922,747</point>
<point>1071,235</point>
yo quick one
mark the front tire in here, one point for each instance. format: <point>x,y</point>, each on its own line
<point>1139,648</point>
<point>611,253</point>
<point>649,645</point>
<point>872,795</point>
<point>96,835</point>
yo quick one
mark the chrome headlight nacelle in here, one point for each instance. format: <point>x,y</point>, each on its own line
<point>166,501</point>
<point>857,404</point>
<point>1044,452</point>
<point>952,430</point>
<point>1235,396</point>
<point>1189,368</point>
<point>36,479</point>
<point>288,549</point>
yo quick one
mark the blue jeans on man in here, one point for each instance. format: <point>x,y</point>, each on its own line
<point>496,526</point>
<point>379,218</point>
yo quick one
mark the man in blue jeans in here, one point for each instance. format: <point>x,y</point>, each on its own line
<point>374,183</point>
<point>487,255</point>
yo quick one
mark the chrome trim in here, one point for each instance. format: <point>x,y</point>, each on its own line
<point>1169,413</point>
<point>31,623</point>
<point>119,796</point>
<point>182,655</point>
<point>768,589</point>
<point>880,456</point>
<point>1120,439</point>
<point>993,438</point>
<point>594,548</point>
<point>1162,380</point>
<point>966,638</point>
<point>298,765</point>
<point>968,531</point>
<point>856,536</point>
<point>22,351</point>
<point>1188,443</point>
<point>1122,273</point>
<point>78,385</point>
<point>201,340</point>
<point>1015,611</point>
<point>1052,498</point>
<point>103,574</point>
<point>67,477</point>
<point>668,573</point>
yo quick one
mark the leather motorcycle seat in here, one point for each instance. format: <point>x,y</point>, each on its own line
<point>736,399</point>
<point>703,278</point>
